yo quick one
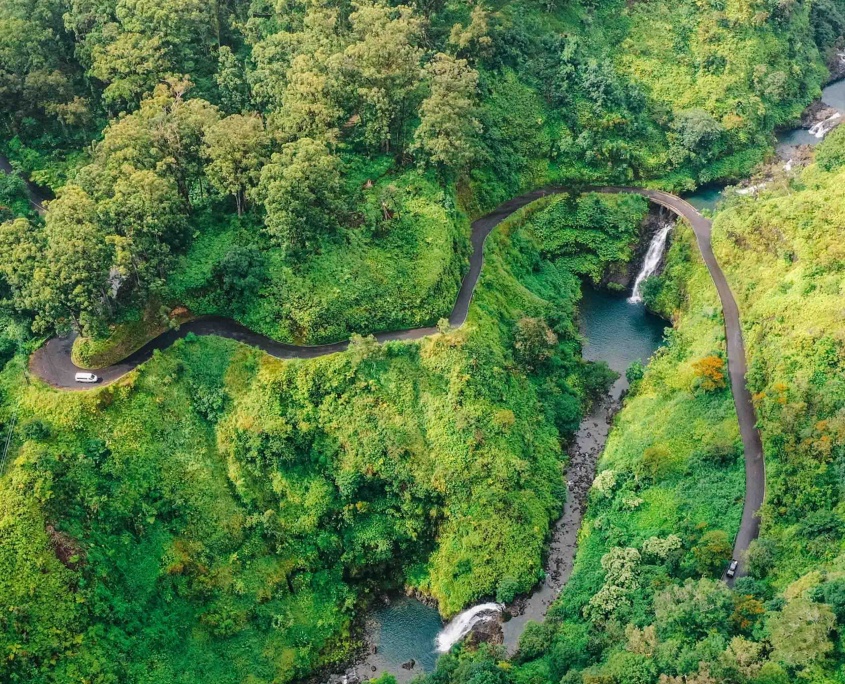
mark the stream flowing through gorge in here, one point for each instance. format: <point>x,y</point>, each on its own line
<point>406,635</point>
<point>616,331</point>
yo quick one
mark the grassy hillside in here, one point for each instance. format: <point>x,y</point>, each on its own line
<point>311,169</point>
<point>664,506</point>
<point>221,514</point>
<point>784,256</point>
<point>642,605</point>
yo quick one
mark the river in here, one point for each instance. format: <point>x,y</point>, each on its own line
<point>619,332</point>
<point>708,197</point>
<point>616,331</point>
<point>833,96</point>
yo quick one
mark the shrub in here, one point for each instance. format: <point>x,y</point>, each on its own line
<point>761,557</point>
<point>721,453</point>
<point>635,372</point>
<point>597,379</point>
<point>709,373</point>
<point>241,273</point>
<point>712,552</point>
<point>508,589</point>
<point>7,351</point>
<point>535,640</point>
<point>533,342</point>
<point>830,155</point>
<point>656,462</point>
<point>833,594</point>
<point>799,633</point>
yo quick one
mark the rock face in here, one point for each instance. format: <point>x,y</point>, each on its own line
<point>486,632</point>
<point>836,64</point>
<point>816,113</point>
<point>620,276</point>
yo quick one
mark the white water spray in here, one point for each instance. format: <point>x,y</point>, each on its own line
<point>754,189</point>
<point>822,128</point>
<point>458,628</point>
<point>651,261</point>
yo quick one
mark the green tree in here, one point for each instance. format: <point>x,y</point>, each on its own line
<point>148,224</point>
<point>130,66</point>
<point>712,552</point>
<point>38,77</point>
<point>800,632</point>
<point>310,108</point>
<point>382,65</point>
<point>694,610</point>
<point>301,190</point>
<point>656,462</point>
<point>473,40</point>
<point>165,136</point>
<point>241,272</point>
<point>533,342</point>
<point>698,135</point>
<point>21,253</point>
<point>231,81</point>
<point>449,127</point>
<point>178,126</point>
<point>74,279</point>
<point>236,148</point>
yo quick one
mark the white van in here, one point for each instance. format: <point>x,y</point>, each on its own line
<point>86,377</point>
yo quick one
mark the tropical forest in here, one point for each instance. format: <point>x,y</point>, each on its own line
<point>431,341</point>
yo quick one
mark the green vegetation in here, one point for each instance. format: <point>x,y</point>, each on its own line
<point>311,169</point>
<point>643,605</point>
<point>222,514</point>
<point>784,257</point>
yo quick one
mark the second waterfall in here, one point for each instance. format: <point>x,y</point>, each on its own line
<point>652,259</point>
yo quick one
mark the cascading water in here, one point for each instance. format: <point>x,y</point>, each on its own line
<point>458,628</point>
<point>652,260</point>
<point>822,128</point>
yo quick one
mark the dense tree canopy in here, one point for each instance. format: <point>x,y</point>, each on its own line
<point>311,167</point>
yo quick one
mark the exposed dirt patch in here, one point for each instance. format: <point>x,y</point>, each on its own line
<point>69,551</point>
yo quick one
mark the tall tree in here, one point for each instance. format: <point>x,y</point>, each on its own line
<point>73,281</point>
<point>383,67</point>
<point>178,126</point>
<point>21,252</point>
<point>165,135</point>
<point>147,224</point>
<point>231,81</point>
<point>130,66</point>
<point>236,148</point>
<point>37,77</point>
<point>310,97</point>
<point>448,124</point>
<point>301,191</point>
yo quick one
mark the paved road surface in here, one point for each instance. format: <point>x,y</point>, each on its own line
<point>52,362</point>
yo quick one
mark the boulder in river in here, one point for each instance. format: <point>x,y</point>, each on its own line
<point>486,632</point>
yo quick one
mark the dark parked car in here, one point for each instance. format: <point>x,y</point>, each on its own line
<point>732,568</point>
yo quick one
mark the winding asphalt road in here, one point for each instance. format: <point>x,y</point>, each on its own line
<point>52,362</point>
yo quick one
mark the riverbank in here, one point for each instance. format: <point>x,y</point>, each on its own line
<point>618,332</point>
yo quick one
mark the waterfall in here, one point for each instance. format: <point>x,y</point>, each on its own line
<point>822,128</point>
<point>463,623</point>
<point>652,260</point>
